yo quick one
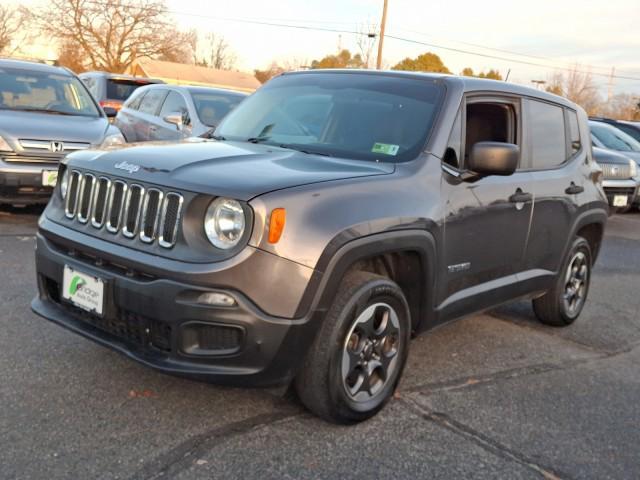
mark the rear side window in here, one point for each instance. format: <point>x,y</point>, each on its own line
<point>574,132</point>
<point>151,101</point>
<point>548,143</point>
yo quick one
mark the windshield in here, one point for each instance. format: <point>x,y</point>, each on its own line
<point>614,139</point>
<point>212,107</point>
<point>29,90</point>
<point>359,116</point>
<point>122,89</point>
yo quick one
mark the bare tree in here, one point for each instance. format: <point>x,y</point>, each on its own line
<point>366,39</point>
<point>112,34</point>
<point>578,86</point>
<point>70,56</point>
<point>13,28</point>
<point>216,52</point>
<point>623,106</point>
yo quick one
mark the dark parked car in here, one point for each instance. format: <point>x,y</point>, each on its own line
<point>45,113</point>
<point>605,135</point>
<point>169,112</point>
<point>620,178</point>
<point>630,128</point>
<point>112,89</point>
<point>334,215</point>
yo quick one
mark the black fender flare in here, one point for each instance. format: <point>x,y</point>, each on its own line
<point>593,216</point>
<point>338,257</point>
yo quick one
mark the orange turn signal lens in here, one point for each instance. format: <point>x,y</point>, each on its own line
<point>276,224</point>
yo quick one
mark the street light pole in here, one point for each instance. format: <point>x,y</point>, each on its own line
<point>381,40</point>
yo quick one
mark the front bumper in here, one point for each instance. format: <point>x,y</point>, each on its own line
<point>22,183</point>
<point>156,322</point>
<point>629,188</point>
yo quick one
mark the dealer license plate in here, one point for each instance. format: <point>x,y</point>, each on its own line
<point>49,178</point>
<point>84,291</point>
<point>620,201</point>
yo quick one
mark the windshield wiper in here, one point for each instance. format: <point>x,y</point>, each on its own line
<point>210,134</point>
<point>257,139</point>
<point>302,149</point>
<point>44,110</point>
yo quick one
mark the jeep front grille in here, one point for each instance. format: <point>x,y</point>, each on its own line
<point>616,172</point>
<point>130,209</point>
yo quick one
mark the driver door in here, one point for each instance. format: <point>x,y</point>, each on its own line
<point>487,220</point>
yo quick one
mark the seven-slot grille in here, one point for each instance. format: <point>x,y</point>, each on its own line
<point>128,208</point>
<point>612,171</point>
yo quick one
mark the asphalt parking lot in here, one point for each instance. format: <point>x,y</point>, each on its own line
<point>494,395</point>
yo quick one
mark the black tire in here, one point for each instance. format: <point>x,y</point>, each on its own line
<point>558,307</point>
<point>321,384</point>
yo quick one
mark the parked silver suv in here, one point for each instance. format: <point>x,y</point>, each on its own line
<point>45,113</point>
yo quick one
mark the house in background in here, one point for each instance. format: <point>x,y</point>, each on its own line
<point>183,74</point>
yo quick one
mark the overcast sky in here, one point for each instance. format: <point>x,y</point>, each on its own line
<point>563,32</point>
<point>596,34</point>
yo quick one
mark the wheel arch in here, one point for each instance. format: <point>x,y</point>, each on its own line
<point>589,225</point>
<point>406,256</point>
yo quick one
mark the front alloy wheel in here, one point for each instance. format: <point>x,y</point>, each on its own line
<point>370,352</point>
<point>357,357</point>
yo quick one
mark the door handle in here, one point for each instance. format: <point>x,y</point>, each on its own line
<point>153,128</point>
<point>520,197</point>
<point>574,189</point>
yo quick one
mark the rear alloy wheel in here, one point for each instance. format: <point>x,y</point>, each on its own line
<point>562,305</point>
<point>358,355</point>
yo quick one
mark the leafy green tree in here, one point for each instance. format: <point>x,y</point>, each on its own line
<point>427,62</point>
<point>343,59</point>
<point>492,74</point>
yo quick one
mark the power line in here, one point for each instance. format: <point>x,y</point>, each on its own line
<point>394,37</point>
<point>510,52</point>
<point>497,57</point>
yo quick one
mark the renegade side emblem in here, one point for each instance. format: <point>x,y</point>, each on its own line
<point>459,267</point>
<point>129,167</point>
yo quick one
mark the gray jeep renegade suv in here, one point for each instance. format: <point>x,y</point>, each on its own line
<point>334,215</point>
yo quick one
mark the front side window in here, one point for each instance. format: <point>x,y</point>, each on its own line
<point>489,122</point>
<point>151,102</point>
<point>548,141</point>
<point>173,103</point>
<point>44,92</point>
<point>359,116</point>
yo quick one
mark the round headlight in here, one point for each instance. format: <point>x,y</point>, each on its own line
<point>64,184</point>
<point>224,223</point>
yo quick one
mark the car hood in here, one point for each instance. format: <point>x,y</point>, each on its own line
<point>233,169</point>
<point>602,155</point>
<point>44,126</point>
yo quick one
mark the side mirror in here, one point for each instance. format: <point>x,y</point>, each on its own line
<point>494,158</point>
<point>110,112</point>
<point>175,118</point>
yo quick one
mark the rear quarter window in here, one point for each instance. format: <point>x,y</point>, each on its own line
<point>547,133</point>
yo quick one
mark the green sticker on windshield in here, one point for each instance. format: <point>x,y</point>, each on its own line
<point>385,148</point>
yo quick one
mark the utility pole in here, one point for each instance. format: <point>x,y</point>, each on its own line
<point>381,40</point>
<point>610,85</point>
